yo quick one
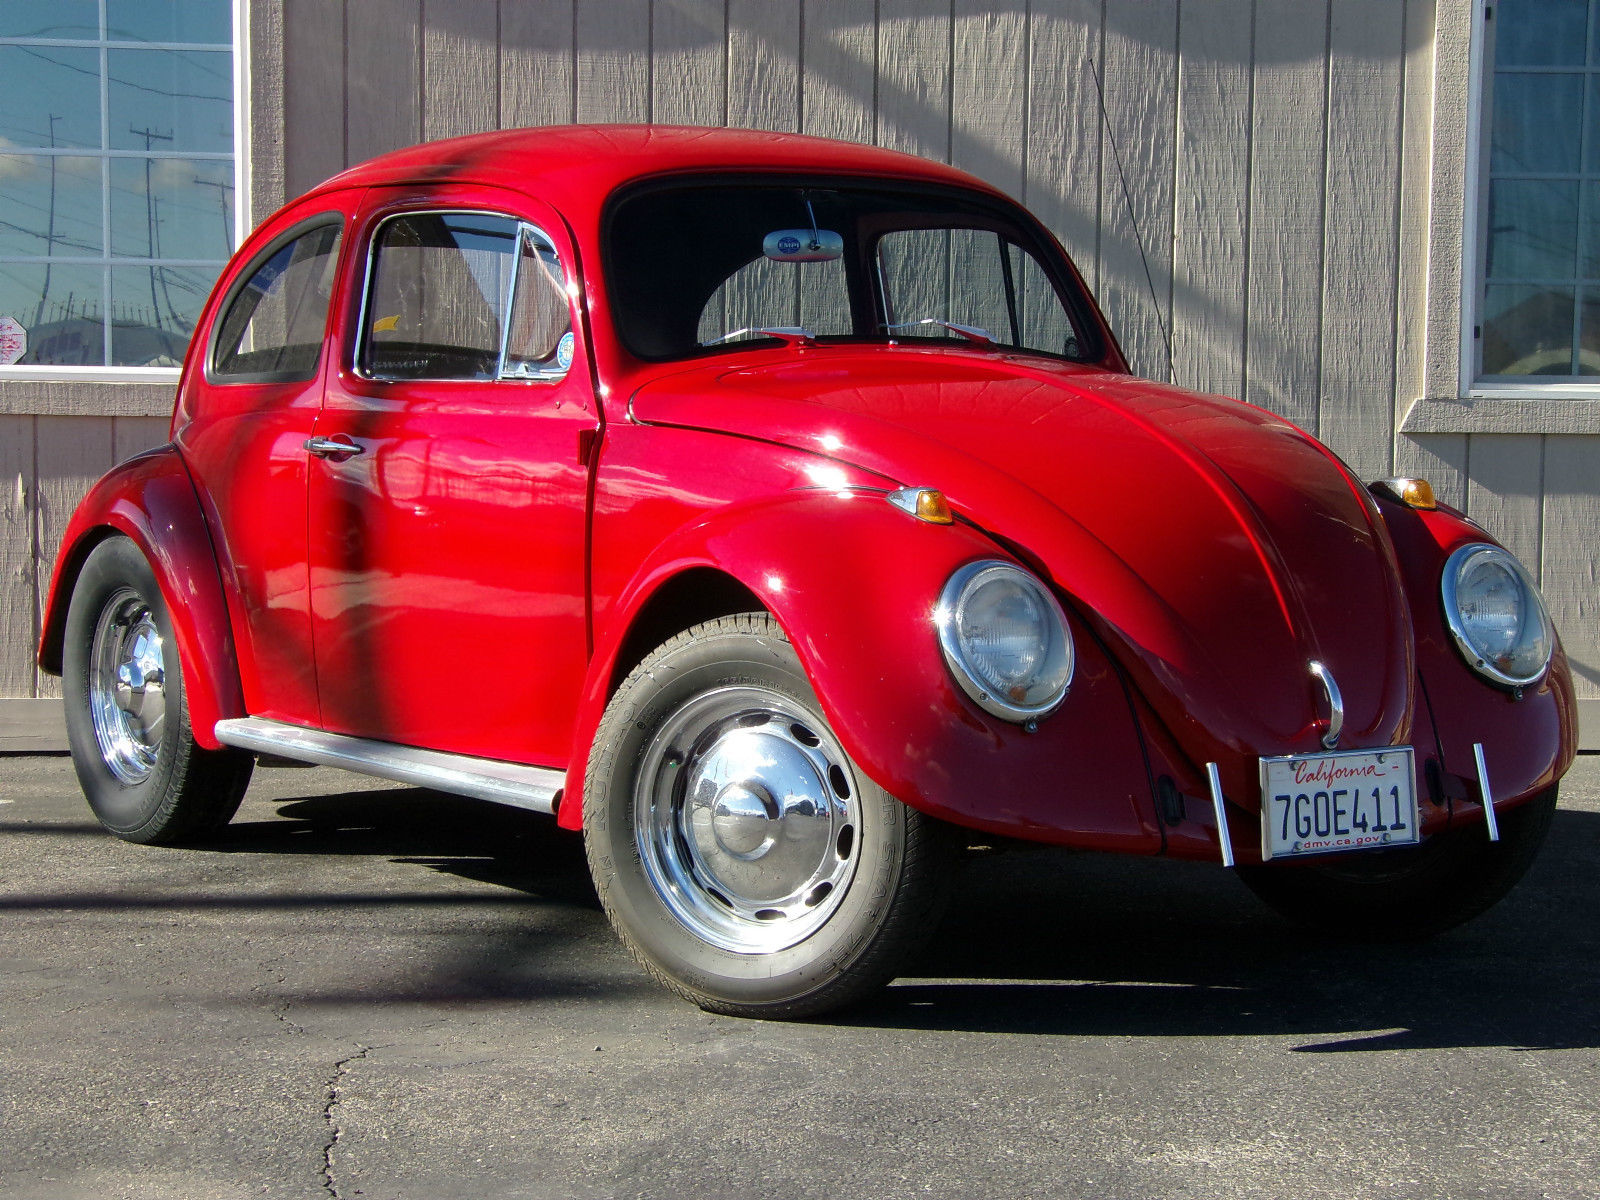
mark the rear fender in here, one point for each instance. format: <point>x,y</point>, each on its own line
<point>151,499</point>
<point>854,583</point>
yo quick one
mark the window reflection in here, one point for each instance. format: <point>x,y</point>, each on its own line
<point>1542,216</point>
<point>117,175</point>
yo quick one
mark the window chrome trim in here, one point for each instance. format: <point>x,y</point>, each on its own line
<point>520,227</point>
<point>1458,632</point>
<point>955,657</point>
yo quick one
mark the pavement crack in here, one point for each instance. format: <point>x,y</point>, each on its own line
<point>330,1119</point>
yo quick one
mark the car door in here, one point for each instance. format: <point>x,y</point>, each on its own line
<point>449,483</point>
<point>243,419</point>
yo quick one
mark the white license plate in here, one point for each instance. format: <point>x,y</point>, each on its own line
<point>1342,800</point>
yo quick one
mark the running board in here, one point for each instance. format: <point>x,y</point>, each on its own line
<point>536,788</point>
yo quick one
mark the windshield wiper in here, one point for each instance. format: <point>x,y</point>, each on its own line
<point>980,337</point>
<point>792,335</point>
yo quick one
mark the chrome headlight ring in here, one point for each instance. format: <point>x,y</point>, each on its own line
<point>1005,639</point>
<point>1496,615</point>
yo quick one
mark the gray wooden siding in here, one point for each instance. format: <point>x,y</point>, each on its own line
<point>1259,191</point>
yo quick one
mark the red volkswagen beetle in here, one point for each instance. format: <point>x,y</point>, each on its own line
<point>780,513</point>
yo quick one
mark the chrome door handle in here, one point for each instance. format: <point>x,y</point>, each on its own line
<point>340,447</point>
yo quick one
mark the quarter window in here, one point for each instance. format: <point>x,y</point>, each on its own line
<point>272,328</point>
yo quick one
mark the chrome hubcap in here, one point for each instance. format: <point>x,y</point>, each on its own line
<point>746,816</point>
<point>127,686</point>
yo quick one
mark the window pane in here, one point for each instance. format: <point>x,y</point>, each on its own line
<point>1540,33</point>
<point>67,329</point>
<point>187,211</point>
<point>171,100</point>
<point>540,315</point>
<point>440,289</point>
<point>170,21</point>
<point>1591,151</point>
<point>1589,265</point>
<point>273,327</point>
<point>50,205</point>
<point>1045,324</point>
<point>1538,120</point>
<point>58,19</point>
<point>46,81</point>
<point>153,312</point>
<point>1589,341</point>
<point>1533,229</point>
<point>1527,330</point>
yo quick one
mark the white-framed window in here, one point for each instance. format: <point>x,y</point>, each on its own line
<point>1532,302</point>
<point>120,186</point>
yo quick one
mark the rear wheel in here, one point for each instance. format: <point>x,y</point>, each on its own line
<point>738,851</point>
<point>127,716</point>
<point>1411,892</point>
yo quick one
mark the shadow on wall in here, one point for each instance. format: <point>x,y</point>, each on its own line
<point>1203,110</point>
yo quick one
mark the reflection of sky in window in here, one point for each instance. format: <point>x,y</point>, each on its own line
<point>58,19</point>
<point>176,205</point>
<point>1542,219</point>
<point>168,21</point>
<point>1541,33</point>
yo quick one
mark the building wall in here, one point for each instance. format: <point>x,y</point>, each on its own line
<point>1266,195</point>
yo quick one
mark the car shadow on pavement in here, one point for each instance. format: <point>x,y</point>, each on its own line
<point>1051,942</point>
<point>1047,942</point>
<point>472,839</point>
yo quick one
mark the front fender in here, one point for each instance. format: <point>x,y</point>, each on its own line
<point>854,583</point>
<point>1529,737</point>
<point>151,499</point>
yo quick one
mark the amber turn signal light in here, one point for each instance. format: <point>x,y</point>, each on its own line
<point>925,504</point>
<point>1418,493</point>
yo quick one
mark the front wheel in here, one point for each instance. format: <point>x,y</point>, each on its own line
<point>1410,892</point>
<point>740,854</point>
<point>127,714</point>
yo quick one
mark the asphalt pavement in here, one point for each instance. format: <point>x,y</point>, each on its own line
<point>366,990</point>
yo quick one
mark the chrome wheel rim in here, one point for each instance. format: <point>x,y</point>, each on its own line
<point>747,819</point>
<point>127,686</point>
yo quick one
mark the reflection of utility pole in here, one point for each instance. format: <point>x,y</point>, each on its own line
<point>50,237</point>
<point>150,135</point>
<point>224,198</point>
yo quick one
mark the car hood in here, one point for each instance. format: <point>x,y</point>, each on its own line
<point>1218,550</point>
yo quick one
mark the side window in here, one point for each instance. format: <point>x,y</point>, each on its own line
<point>271,331</point>
<point>439,288</point>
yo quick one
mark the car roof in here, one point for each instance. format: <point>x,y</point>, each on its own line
<point>586,162</point>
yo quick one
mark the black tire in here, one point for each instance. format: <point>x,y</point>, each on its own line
<point>137,760</point>
<point>1409,893</point>
<point>857,879</point>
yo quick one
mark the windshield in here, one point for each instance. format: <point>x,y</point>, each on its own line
<point>698,267</point>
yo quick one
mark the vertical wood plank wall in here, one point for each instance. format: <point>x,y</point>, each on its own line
<point>1244,183</point>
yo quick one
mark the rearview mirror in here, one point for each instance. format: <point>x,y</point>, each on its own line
<point>803,245</point>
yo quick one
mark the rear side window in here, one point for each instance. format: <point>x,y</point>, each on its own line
<point>464,296</point>
<point>271,330</point>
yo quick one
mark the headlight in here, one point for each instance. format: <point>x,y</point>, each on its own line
<point>1494,611</point>
<point>1006,640</point>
